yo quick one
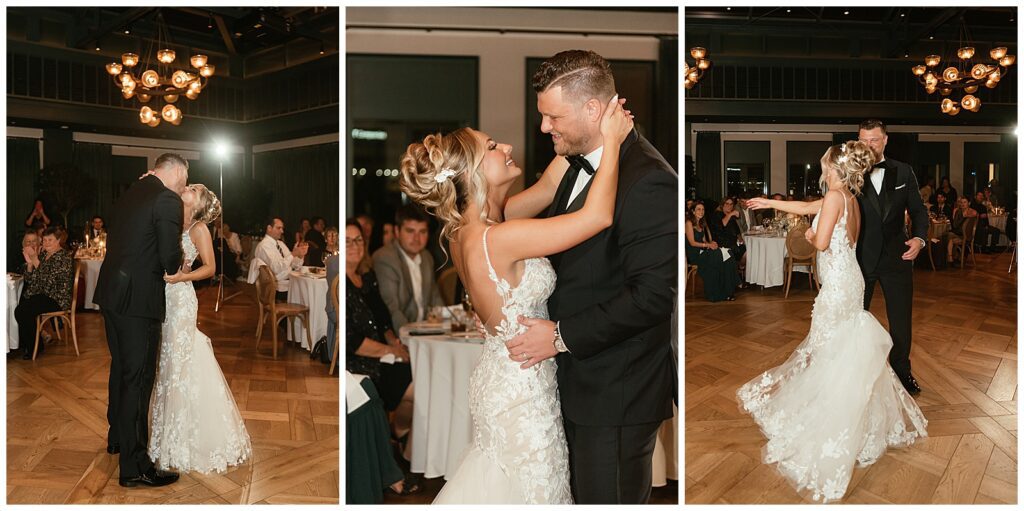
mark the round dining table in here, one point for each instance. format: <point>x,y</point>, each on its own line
<point>91,273</point>
<point>766,260</point>
<point>442,429</point>
<point>309,289</point>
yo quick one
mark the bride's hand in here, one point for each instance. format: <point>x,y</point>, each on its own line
<point>757,203</point>
<point>809,235</point>
<point>177,277</point>
<point>616,123</point>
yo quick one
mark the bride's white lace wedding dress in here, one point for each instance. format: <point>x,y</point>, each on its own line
<point>835,401</point>
<point>195,423</point>
<point>518,454</point>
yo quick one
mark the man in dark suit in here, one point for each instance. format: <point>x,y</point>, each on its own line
<point>143,244</point>
<point>885,254</point>
<point>613,302</point>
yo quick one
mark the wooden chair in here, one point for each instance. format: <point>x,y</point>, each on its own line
<point>337,313</point>
<point>800,251</point>
<point>266,287</point>
<point>691,272</point>
<point>970,226</point>
<point>446,284</point>
<point>67,316</point>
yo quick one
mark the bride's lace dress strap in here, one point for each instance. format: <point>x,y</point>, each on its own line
<point>504,288</point>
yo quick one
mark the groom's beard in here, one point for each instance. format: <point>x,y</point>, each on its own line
<point>572,145</point>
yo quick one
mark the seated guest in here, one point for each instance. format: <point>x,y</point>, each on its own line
<point>941,207</point>
<point>30,245</point>
<point>47,287</point>
<point>990,197</point>
<point>948,189</point>
<point>387,233</point>
<point>331,266</point>
<point>275,254</point>
<point>720,276</point>
<point>774,213</point>
<point>927,190</point>
<point>96,228</point>
<point>331,236</point>
<point>316,241</point>
<point>406,271</point>
<point>370,334</point>
<point>955,235</point>
<point>984,232</point>
<point>368,454</point>
<point>304,227</point>
<point>725,228</point>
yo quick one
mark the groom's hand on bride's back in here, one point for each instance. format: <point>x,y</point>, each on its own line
<point>535,345</point>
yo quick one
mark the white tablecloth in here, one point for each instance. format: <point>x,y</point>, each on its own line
<point>311,292</point>
<point>441,425</point>
<point>91,272</point>
<point>14,286</point>
<point>766,260</point>
<point>999,222</point>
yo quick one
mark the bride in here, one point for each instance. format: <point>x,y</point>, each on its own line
<point>195,423</point>
<point>835,401</point>
<point>519,453</point>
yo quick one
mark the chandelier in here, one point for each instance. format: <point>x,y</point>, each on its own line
<point>694,73</point>
<point>965,73</point>
<point>163,80</point>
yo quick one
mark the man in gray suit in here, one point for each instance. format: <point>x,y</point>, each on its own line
<point>405,271</point>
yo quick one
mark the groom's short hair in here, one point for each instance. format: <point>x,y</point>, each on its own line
<point>871,124</point>
<point>582,74</point>
<point>166,159</point>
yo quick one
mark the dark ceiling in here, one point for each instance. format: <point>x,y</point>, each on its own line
<point>908,25</point>
<point>234,31</point>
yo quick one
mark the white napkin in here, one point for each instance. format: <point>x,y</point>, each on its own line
<point>390,358</point>
<point>725,254</point>
<point>355,396</point>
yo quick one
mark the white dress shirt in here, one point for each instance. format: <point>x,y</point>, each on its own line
<point>416,275</point>
<point>583,178</point>
<point>275,254</point>
<point>878,177</point>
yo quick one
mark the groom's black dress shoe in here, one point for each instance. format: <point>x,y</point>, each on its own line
<point>910,384</point>
<point>154,477</point>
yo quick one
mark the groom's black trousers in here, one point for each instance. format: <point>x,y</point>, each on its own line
<point>611,464</point>
<point>897,279</point>
<point>133,343</point>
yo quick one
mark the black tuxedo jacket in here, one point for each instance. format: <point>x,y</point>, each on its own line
<point>143,243</point>
<point>882,237</point>
<point>615,296</point>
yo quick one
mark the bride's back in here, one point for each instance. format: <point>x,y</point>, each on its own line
<point>473,263</point>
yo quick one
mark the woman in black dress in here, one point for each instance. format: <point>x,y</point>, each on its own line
<point>720,275</point>
<point>370,337</point>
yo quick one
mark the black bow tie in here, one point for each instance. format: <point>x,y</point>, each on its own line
<point>878,166</point>
<point>578,162</point>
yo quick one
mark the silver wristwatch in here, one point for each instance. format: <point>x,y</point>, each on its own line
<point>559,343</point>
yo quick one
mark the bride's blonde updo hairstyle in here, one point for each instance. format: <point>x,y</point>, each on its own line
<point>441,175</point>
<point>851,160</point>
<point>207,206</point>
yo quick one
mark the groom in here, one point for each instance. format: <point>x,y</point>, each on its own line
<point>613,302</point>
<point>143,243</point>
<point>883,250</point>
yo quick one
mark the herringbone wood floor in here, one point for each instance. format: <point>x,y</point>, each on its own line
<point>57,426</point>
<point>964,356</point>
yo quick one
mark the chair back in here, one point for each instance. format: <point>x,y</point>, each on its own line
<point>266,287</point>
<point>446,285</point>
<point>74,285</point>
<point>335,299</point>
<point>970,226</point>
<point>797,246</point>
